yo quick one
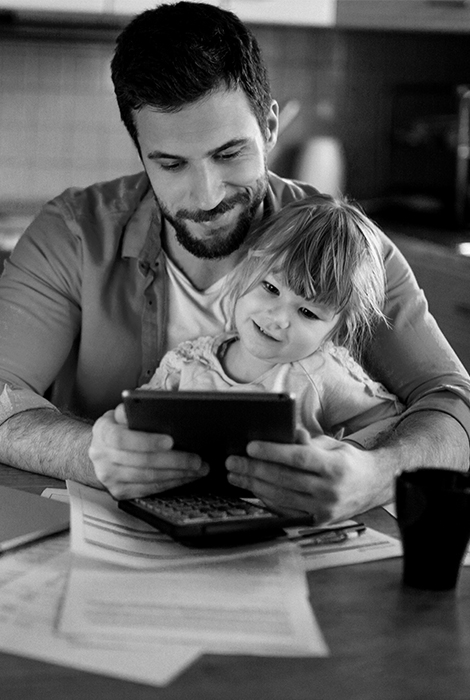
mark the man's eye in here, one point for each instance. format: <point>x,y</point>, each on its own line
<point>229,155</point>
<point>270,287</point>
<point>171,166</point>
<point>308,314</point>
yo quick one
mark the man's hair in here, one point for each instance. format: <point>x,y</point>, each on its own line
<point>325,250</point>
<point>173,55</point>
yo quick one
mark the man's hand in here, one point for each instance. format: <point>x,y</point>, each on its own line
<point>334,480</point>
<point>330,479</point>
<point>132,463</point>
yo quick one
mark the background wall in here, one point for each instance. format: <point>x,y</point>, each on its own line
<point>58,121</point>
<point>59,124</point>
<point>345,81</point>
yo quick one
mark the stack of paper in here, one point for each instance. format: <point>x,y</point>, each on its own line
<point>127,601</point>
<point>132,585</point>
<point>29,607</point>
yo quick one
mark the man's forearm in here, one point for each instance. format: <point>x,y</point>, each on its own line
<point>422,439</point>
<point>47,442</point>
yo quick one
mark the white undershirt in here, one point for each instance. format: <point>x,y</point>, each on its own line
<point>192,313</point>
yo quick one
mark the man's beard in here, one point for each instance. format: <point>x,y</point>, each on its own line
<point>218,247</point>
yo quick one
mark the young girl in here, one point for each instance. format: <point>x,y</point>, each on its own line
<point>303,303</point>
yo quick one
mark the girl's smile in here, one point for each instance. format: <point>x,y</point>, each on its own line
<point>265,333</point>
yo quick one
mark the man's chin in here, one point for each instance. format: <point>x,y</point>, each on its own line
<point>212,242</point>
<point>206,232</point>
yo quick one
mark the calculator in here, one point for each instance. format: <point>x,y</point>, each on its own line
<point>207,519</point>
<point>213,424</point>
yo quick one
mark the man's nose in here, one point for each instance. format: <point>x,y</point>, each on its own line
<point>207,188</point>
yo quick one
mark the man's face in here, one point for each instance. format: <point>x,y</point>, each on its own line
<point>207,167</point>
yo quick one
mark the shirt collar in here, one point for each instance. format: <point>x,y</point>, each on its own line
<point>142,236</point>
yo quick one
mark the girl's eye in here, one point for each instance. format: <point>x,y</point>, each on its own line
<point>308,314</point>
<point>270,287</point>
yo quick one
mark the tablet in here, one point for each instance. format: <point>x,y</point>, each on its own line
<point>214,424</point>
<point>210,511</point>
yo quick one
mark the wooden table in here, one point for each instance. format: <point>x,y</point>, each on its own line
<point>386,643</point>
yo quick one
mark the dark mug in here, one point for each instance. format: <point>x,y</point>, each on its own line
<point>433,514</point>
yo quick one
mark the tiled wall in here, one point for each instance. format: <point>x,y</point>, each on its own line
<point>59,124</point>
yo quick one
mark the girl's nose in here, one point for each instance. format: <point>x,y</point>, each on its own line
<point>279,316</point>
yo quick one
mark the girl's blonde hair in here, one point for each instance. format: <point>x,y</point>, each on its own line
<point>326,250</point>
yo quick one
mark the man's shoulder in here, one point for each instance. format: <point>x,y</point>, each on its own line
<point>283,190</point>
<point>122,194</point>
<point>98,216</point>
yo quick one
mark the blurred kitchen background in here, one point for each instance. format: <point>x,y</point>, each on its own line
<point>374,97</point>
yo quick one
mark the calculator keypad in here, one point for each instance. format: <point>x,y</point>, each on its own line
<point>200,508</point>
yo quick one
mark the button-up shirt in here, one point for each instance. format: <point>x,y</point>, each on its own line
<point>83,309</point>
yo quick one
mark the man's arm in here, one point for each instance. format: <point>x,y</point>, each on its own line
<point>335,480</point>
<point>47,442</point>
<point>410,355</point>
<point>105,455</point>
<point>40,318</point>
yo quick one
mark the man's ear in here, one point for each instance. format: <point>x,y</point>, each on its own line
<point>272,126</point>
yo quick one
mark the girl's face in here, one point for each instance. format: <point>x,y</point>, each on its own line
<point>277,326</point>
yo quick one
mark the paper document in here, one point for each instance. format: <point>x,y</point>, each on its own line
<point>371,545</point>
<point>390,508</point>
<point>100,530</point>
<point>33,582</point>
<point>56,494</point>
<point>252,605</point>
<point>24,560</point>
<point>132,583</point>
<point>28,612</point>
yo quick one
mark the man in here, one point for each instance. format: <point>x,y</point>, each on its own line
<point>110,277</point>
